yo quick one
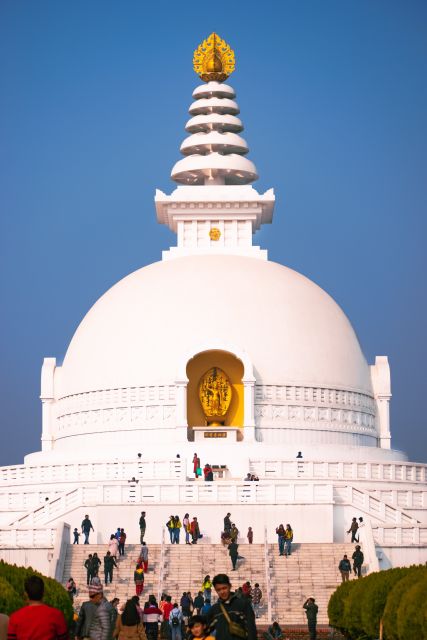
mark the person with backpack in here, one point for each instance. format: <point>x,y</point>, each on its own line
<point>175,622</point>
<point>280,530</point>
<point>122,540</point>
<point>344,568</point>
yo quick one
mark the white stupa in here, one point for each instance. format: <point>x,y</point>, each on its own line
<point>123,416</point>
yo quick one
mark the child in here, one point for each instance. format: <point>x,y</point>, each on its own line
<point>76,536</point>
<point>250,535</point>
<point>198,629</point>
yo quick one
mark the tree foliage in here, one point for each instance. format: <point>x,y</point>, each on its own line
<point>12,593</point>
<point>396,596</point>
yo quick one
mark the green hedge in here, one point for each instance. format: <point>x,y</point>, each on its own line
<point>396,596</point>
<point>12,594</point>
<point>394,599</point>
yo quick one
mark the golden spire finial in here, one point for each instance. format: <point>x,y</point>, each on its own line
<point>213,59</point>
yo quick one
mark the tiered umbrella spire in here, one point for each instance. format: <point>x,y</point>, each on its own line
<point>214,152</point>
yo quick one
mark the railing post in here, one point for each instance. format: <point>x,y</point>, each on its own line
<point>267,576</point>
<point>162,566</point>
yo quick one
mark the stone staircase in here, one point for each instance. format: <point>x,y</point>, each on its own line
<point>311,570</point>
<point>187,565</point>
<point>123,586</point>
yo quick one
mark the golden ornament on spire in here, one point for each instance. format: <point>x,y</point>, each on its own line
<point>213,59</point>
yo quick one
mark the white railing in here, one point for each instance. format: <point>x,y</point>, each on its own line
<point>267,576</point>
<point>161,566</point>
<point>62,540</point>
<point>402,498</point>
<point>86,472</point>
<point>331,470</point>
<point>366,540</point>
<point>37,537</point>
<point>183,493</point>
<point>371,505</point>
<point>400,535</point>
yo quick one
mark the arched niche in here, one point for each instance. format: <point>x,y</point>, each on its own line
<point>197,366</point>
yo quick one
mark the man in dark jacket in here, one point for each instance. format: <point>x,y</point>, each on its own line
<point>142,526</point>
<point>227,523</point>
<point>231,618</point>
<point>233,553</point>
<point>358,559</point>
<point>109,564</point>
<point>88,567</point>
<point>86,527</point>
<point>311,610</point>
<point>344,568</point>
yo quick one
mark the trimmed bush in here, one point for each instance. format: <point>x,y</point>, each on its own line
<point>412,612</point>
<point>54,594</point>
<point>398,596</point>
<point>336,605</point>
<point>394,599</point>
<point>10,601</point>
<point>377,589</point>
<point>353,605</point>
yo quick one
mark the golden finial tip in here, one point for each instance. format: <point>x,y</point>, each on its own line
<point>213,59</point>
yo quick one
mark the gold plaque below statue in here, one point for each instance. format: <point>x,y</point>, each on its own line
<point>215,396</point>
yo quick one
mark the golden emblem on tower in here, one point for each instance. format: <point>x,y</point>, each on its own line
<point>215,396</point>
<point>213,59</point>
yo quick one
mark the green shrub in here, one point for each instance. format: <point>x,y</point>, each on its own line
<point>336,605</point>
<point>353,605</point>
<point>10,601</point>
<point>412,612</point>
<point>394,599</point>
<point>54,594</point>
<point>377,588</point>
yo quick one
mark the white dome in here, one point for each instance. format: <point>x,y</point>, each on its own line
<point>140,330</point>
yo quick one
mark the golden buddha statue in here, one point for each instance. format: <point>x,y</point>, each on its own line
<point>215,396</point>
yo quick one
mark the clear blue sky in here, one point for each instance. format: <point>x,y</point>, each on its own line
<point>94,99</point>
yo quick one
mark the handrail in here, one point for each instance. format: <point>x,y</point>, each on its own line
<point>366,539</point>
<point>267,576</point>
<point>162,566</point>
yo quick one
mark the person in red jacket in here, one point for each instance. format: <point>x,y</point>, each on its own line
<point>36,621</point>
<point>195,530</point>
